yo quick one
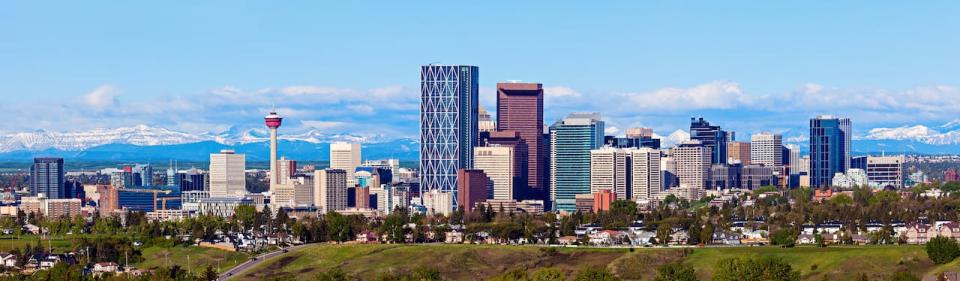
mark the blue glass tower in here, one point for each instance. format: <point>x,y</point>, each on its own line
<point>48,177</point>
<point>830,139</point>
<point>448,124</point>
<point>571,140</point>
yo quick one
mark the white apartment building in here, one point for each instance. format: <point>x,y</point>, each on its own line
<point>345,156</point>
<point>646,173</point>
<point>227,174</point>
<point>330,190</point>
<point>608,170</point>
<point>438,202</point>
<point>767,149</point>
<point>498,162</point>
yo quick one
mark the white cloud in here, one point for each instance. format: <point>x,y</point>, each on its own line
<point>101,97</point>
<point>713,95</point>
<point>361,109</point>
<point>322,125</point>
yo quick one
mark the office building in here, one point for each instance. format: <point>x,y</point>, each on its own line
<point>829,148</point>
<point>767,149</point>
<point>330,190</point>
<point>711,137</point>
<point>738,152</point>
<point>194,180</point>
<point>885,172</point>
<point>724,176</point>
<point>345,156</point>
<point>602,199</point>
<point>693,164</point>
<point>47,177</point>
<point>484,122</point>
<point>473,184</point>
<point>145,173</point>
<point>668,171</point>
<point>438,202</point>
<point>755,176</point>
<point>392,164</point>
<point>858,162</point>
<point>646,174</point>
<point>227,174</point>
<point>448,124</point>
<point>520,109</point>
<point>500,165</point>
<point>793,159</point>
<point>519,163</point>
<point>609,170</point>
<point>571,140</point>
<point>632,141</point>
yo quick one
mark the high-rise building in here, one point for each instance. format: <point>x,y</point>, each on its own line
<point>767,149</point>
<point>484,122</point>
<point>330,190</point>
<point>227,175</point>
<point>345,156</point>
<point>448,124</point>
<point>829,148</point>
<point>755,176</point>
<point>499,164</point>
<point>793,152</point>
<point>738,152</point>
<point>724,176</point>
<point>602,199</point>
<point>609,170</point>
<point>146,175</point>
<point>693,164</point>
<point>520,109</point>
<point>512,140</point>
<point>885,171</point>
<point>711,137</point>
<point>287,169</point>
<point>472,184</point>
<point>646,174</point>
<point>571,140</point>
<point>47,176</point>
<point>273,122</point>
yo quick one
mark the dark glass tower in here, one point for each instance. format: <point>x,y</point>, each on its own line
<point>712,137</point>
<point>829,148</point>
<point>47,177</point>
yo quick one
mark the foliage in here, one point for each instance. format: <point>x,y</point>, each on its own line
<point>675,272</point>
<point>784,237</point>
<point>942,250</point>
<point>595,274</point>
<point>763,269</point>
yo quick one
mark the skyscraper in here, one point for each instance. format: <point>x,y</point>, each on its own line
<point>345,156</point>
<point>448,124</point>
<point>829,148</point>
<point>499,164</point>
<point>693,164</point>
<point>738,152</point>
<point>571,140</point>
<point>330,190</point>
<point>609,171</point>
<point>767,149</point>
<point>711,137</point>
<point>227,175</point>
<point>473,188</point>
<point>794,155</point>
<point>520,109</point>
<point>646,175</point>
<point>47,177</point>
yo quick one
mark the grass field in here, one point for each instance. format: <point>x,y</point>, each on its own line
<point>10,242</point>
<point>193,258</point>
<point>476,262</point>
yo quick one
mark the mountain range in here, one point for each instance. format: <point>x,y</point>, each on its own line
<point>143,142</point>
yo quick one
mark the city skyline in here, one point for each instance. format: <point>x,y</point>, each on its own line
<point>669,65</point>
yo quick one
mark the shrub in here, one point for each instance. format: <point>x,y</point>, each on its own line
<point>942,250</point>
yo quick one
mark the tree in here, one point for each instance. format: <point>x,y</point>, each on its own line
<point>393,228</point>
<point>246,214</point>
<point>338,227</point>
<point>784,237</point>
<point>210,274</point>
<point>663,233</point>
<point>595,274</point>
<point>942,250</point>
<point>763,269</point>
<point>675,272</point>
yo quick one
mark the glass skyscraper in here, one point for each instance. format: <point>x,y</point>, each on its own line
<point>712,137</point>
<point>830,143</point>
<point>571,140</point>
<point>47,177</point>
<point>448,124</point>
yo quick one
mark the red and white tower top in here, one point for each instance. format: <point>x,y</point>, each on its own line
<point>273,120</point>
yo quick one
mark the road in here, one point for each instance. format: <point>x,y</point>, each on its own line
<point>237,270</point>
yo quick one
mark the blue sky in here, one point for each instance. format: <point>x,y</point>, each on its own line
<point>342,66</point>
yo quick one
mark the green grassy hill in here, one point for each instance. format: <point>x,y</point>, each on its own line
<point>475,262</point>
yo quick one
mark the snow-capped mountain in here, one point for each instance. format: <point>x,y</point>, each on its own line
<point>674,138</point>
<point>144,135</point>
<point>918,133</point>
<point>137,135</point>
